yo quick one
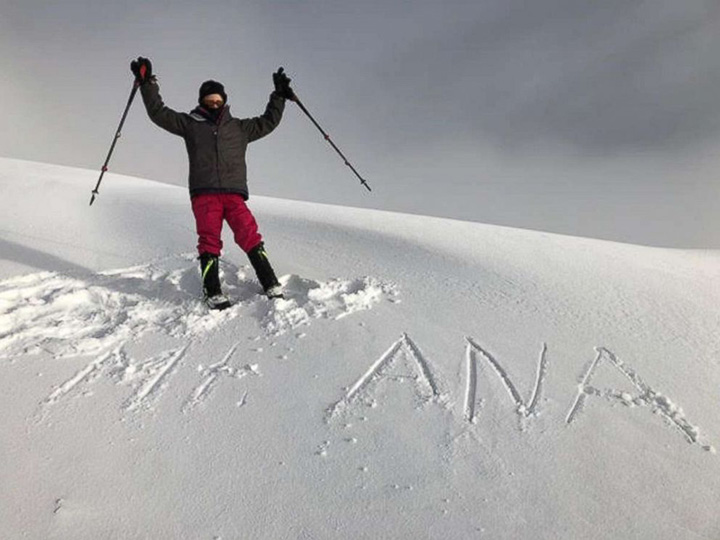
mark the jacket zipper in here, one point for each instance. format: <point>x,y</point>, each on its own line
<point>216,130</point>
<point>217,155</point>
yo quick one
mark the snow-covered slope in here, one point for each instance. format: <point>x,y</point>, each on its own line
<point>424,378</point>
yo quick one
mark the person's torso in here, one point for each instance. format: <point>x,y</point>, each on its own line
<point>216,150</point>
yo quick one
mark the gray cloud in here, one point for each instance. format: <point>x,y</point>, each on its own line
<point>606,76</point>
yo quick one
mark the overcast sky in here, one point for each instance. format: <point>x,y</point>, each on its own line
<point>585,117</point>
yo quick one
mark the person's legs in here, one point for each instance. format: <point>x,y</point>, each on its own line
<point>242,222</point>
<point>245,229</point>
<point>210,274</point>
<point>208,212</point>
<point>212,291</point>
<point>265,273</point>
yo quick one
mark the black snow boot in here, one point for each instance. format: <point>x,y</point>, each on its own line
<point>210,272</point>
<point>260,262</point>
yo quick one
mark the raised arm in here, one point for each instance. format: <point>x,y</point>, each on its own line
<point>159,113</point>
<point>262,125</point>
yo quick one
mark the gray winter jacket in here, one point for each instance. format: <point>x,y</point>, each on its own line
<point>216,149</point>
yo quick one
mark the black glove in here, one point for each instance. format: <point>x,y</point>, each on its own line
<point>282,84</point>
<point>142,69</point>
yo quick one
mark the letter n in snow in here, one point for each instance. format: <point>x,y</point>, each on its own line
<point>476,354</point>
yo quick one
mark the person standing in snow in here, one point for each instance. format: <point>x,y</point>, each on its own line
<point>216,144</point>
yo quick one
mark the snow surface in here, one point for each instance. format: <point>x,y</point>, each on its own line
<point>424,378</point>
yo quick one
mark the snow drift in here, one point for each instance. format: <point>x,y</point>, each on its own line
<point>424,378</point>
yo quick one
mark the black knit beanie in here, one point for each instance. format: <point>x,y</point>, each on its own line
<point>211,87</point>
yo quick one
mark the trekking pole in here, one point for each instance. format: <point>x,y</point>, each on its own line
<point>327,138</point>
<point>104,169</point>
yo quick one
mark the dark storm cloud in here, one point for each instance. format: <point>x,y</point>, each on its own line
<point>607,76</point>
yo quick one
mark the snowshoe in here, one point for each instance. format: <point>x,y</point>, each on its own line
<point>275,292</point>
<point>218,301</point>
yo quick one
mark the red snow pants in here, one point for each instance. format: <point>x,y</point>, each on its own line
<point>211,210</point>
